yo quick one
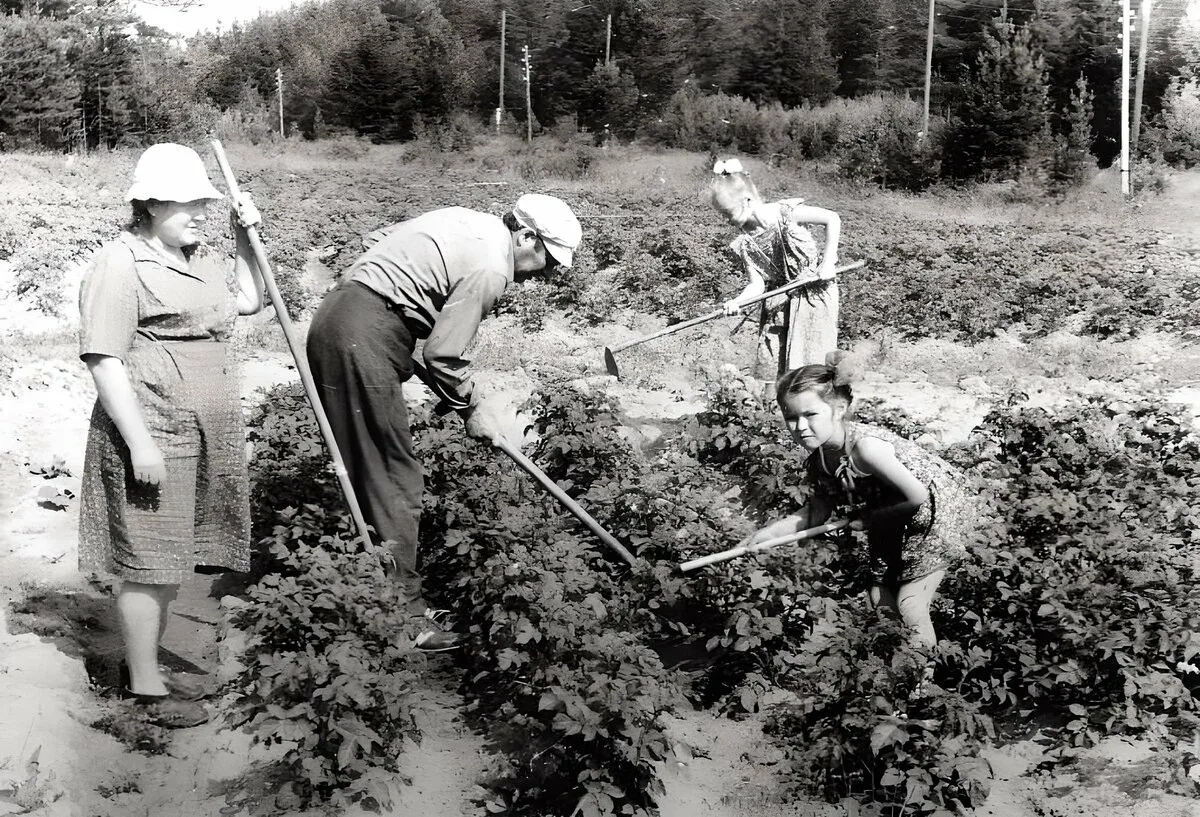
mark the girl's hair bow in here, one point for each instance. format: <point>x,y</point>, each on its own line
<point>726,167</point>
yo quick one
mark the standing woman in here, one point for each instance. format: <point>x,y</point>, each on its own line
<point>776,248</point>
<point>165,488</point>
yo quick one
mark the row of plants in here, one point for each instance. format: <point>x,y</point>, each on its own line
<point>923,277</point>
<point>1076,610</point>
<point>664,253</point>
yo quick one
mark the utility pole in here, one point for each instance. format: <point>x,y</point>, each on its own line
<point>528,99</point>
<point>279,93</point>
<point>1125,97</point>
<point>928,71</point>
<point>1143,47</point>
<point>607,36</point>
<point>500,107</point>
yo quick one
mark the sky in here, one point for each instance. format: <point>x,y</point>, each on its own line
<point>205,15</point>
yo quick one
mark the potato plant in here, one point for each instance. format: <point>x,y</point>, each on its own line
<point>1075,608</point>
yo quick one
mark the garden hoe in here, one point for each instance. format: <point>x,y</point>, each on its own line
<point>610,361</point>
<point>742,550</point>
<point>310,389</point>
<point>530,467</point>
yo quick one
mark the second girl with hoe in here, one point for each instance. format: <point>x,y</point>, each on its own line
<point>913,506</point>
<point>776,248</point>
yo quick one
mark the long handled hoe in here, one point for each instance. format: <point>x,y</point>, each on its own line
<point>610,360</point>
<point>742,550</point>
<point>531,468</point>
<point>310,389</point>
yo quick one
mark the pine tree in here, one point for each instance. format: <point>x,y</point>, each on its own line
<point>1006,107</point>
<point>40,91</point>
<point>864,42</point>
<point>787,58</point>
<point>609,99</point>
<point>1073,143</point>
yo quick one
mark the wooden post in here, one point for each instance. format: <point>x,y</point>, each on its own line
<point>1143,47</point>
<point>928,71</point>
<point>528,99</point>
<point>279,93</point>
<point>1125,188</point>
<point>607,37</point>
<point>500,106</point>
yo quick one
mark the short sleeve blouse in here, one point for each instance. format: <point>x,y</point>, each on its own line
<point>133,287</point>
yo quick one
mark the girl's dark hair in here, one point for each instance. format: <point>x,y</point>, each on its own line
<point>510,221</point>
<point>818,377</point>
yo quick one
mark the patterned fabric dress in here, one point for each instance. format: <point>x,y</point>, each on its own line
<point>168,323</point>
<point>798,330</point>
<point>933,539</point>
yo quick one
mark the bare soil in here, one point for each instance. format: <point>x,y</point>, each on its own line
<point>69,746</point>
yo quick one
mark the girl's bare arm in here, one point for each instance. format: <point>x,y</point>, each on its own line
<point>878,458</point>
<point>832,222</point>
<point>756,286</point>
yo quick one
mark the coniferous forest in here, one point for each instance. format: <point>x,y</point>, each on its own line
<point>1011,81</point>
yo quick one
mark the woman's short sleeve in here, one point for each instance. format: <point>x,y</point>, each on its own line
<point>108,303</point>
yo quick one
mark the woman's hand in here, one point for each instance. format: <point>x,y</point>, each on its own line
<point>148,465</point>
<point>733,307</point>
<point>244,213</point>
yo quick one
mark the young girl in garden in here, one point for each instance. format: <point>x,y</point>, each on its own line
<point>912,505</point>
<point>775,248</point>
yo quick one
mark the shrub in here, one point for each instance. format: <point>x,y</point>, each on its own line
<point>555,670</point>
<point>855,733</point>
<point>570,658</point>
<point>322,674</point>
<point>1180,123</point>
<point>891,151</point>
<point>1094,503</point>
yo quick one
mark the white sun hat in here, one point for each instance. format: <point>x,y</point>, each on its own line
<point>554,222</point>
<point>170,172</point>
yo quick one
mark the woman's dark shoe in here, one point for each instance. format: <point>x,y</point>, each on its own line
<point>182,686</point>
<point>169,712</point>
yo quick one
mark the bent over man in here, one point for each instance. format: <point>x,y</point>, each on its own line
<point>436,277</point>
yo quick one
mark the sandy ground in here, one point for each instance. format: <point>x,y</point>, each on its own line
<point>53,761</point>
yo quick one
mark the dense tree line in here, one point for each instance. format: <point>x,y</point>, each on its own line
<point>92,74</point>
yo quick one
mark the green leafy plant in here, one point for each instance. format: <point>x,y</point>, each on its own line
<point>323,676</point>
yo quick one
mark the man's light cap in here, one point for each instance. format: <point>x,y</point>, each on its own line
<point>554,222</point>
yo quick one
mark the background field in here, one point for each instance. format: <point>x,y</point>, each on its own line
<point>1073,321</point>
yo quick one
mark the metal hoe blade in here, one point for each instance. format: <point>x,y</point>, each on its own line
<point>610,363</point>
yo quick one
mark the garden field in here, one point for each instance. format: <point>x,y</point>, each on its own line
<point>1047,348</point>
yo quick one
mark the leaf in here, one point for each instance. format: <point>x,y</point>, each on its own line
<point>594,601</point>
<point>526,632</point>
<point>886,734</point>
